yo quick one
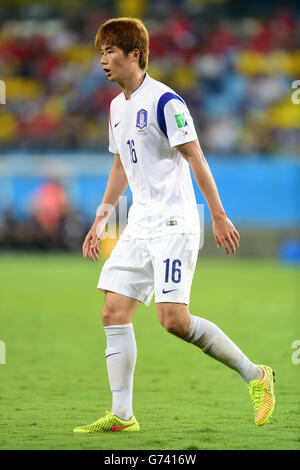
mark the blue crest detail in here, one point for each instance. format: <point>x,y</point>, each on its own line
<point>141,118</point>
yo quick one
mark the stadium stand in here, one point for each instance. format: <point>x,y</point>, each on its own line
<point>235,73</point>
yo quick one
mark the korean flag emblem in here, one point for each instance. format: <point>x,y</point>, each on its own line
<point>141,119</point>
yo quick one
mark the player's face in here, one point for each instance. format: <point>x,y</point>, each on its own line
<point>115,63</point>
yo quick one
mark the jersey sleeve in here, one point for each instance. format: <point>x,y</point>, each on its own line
<point>175,120</point>
<point>112,143</point>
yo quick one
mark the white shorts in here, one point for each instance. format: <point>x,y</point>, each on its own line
<point>139,267</point>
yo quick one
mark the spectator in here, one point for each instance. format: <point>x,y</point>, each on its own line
<point>57,95</point>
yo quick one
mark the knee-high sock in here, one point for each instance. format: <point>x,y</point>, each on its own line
<point>213,342</point>
<point>120,356</point>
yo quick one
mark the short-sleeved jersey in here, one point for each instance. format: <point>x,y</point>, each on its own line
<point>144,131</point>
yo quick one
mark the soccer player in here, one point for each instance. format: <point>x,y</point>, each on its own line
<point>154,142</point>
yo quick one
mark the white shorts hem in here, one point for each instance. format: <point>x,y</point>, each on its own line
<point>117,290</point>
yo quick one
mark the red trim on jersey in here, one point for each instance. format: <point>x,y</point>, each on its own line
<point>109,118</point>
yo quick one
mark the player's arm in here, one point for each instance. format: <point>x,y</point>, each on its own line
<point>225,233</point>
<point>115,187</point>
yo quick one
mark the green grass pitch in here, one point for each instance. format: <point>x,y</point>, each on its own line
<point>55,373</point>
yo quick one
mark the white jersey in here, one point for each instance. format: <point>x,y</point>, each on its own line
<point>144,132</point>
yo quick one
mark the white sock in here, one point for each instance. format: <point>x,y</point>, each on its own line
<point>120,356</point>
<point>213,342</point>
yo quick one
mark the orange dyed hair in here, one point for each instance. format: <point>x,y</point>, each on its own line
<point>127,34</point>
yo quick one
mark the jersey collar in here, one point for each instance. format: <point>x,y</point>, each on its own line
<point>140,88</point>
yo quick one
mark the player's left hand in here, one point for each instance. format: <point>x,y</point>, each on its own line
<point>226,235</point>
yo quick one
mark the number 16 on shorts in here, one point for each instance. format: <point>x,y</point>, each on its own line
<point>172,270</point>
<point>174,266</point>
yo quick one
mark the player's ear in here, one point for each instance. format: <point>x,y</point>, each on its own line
<point>136,54</point>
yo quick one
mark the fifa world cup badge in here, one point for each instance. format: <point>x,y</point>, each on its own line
<point>141,121</point>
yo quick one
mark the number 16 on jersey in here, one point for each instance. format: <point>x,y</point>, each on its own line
<point>132,151</point>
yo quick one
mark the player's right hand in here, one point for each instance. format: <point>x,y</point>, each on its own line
<point>90,245</point>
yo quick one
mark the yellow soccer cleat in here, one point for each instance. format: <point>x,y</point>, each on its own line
<point>110,423</point>
<point>262,395</point>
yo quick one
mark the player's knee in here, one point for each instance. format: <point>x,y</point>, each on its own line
<point>106,315</point>
<point>111,315</point>
<point>173,326</point>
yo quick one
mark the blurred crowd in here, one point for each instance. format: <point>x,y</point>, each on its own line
<point>51,223</point>
<point>235,74</point>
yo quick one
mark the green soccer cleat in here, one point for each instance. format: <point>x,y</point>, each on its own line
<point>262,395</point>
<point>110,422</point>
